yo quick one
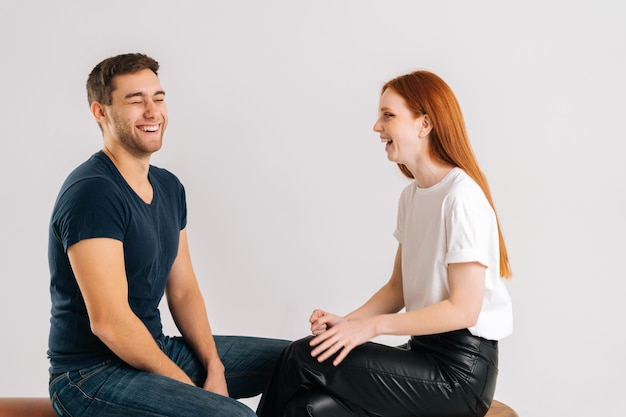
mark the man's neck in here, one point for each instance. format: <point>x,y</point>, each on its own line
<point>134,170</point>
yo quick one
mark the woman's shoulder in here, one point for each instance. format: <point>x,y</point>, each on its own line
<point>463,189</point>
<point>461,182</point>
<point>408,191</point>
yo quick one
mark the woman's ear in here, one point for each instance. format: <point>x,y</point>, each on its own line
<point>425,126</point>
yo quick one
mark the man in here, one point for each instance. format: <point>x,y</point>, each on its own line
<point>117,243</point>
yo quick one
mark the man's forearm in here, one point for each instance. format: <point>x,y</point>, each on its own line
<point>189,313</point>
<point>131,341</point>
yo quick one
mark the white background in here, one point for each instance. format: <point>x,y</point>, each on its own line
<point>292,202</point>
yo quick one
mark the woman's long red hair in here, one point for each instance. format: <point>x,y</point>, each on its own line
<point>426,93</point>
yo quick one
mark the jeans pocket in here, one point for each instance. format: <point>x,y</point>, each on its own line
<point>73,392</point>
<point>55,380</point>
<point>83,376</point>
<point>58,406</point>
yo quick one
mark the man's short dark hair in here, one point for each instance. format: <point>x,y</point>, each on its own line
<point>100,82</point>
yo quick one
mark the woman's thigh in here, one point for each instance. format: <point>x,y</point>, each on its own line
<point>374,377</point>
<point>384,380</point>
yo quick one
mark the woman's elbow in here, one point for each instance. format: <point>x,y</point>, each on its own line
<point>470,317</point>
<point>471,321</point>
<point>467,316</point>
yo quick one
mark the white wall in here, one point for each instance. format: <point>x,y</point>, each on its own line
<point>291,199</point>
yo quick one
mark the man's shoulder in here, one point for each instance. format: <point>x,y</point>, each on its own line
<point>155,170</point>
<point>164,176</point>
<point>94,171</point>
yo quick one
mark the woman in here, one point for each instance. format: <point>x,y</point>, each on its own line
<point>448,276</point>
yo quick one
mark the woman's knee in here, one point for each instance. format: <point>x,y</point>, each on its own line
<point>299,348</point>
<point>316,404</point>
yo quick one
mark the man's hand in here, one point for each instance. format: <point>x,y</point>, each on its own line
<point>216,380</point>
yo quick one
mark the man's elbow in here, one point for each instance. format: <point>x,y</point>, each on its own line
<point>105,329</point>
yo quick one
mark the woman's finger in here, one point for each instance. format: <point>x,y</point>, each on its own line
<point>342,355</point>
<point>327,348</point>
<point>325,335</point>
<point>317,313</point>
<point>318,330</point>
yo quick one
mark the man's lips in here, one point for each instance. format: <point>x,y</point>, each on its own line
<point>149,128</point>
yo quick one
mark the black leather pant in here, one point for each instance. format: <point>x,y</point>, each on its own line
<point>446,375</point>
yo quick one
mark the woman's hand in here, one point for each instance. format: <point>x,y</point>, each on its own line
<point>341,335</point>
<point>321,320</point>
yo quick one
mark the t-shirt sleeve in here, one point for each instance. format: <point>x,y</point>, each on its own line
<point>470,224</point>
<point>183,207</point>
<point>90,208</point>
<point>402,208</point>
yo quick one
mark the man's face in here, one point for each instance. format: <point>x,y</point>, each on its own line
<point>137,116</point>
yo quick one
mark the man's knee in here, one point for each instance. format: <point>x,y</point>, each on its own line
<point>245,412</point>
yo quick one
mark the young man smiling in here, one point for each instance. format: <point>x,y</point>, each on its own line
<point>117,244</point>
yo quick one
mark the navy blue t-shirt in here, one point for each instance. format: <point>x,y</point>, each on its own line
<point>96,202</point>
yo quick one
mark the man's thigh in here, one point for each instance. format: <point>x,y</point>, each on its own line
<point>248,362</point>
<point>117,389</point>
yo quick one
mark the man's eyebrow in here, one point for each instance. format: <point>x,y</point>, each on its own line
<point>141,94</point>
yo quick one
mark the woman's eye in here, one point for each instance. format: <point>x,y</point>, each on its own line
<point>387,116</point>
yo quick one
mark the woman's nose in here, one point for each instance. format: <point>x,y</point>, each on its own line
<point>376,126</point>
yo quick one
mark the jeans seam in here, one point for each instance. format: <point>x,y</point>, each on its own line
<point>248,373</point>
<point>125,409</point>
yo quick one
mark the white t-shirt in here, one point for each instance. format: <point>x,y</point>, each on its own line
<point>451,222</point>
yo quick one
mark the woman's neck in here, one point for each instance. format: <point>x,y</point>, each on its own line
<point>430,173</point>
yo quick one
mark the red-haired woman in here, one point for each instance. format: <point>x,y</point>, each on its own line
<point>447,276</point>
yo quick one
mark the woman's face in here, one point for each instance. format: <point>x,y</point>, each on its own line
<point>400,131</point>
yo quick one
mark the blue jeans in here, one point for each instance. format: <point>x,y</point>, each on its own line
<point>115,389</point>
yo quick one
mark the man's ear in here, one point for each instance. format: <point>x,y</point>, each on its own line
<point>97,109</point>
<point>426,126</point>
